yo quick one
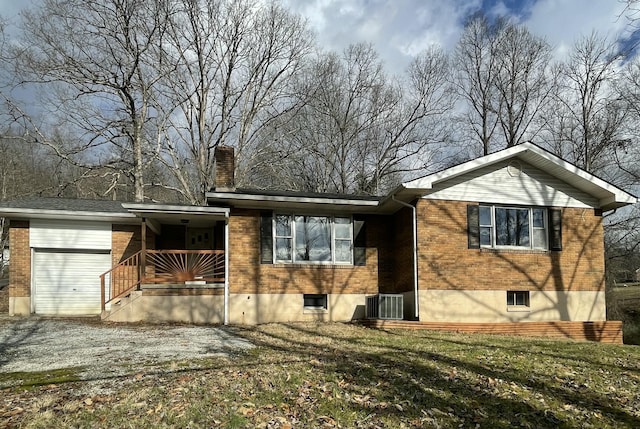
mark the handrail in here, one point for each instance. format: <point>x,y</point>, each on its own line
<point>123,278</point>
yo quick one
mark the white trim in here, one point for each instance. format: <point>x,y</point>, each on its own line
<point>332,240</point>
<point>174,209</point>
<point>291,199</point>
<point>33,282</point>
<point>609,196</point>
<point>18,213</point>
<point>416,302</point>
<point>494,228</point>
<point>226,269</point>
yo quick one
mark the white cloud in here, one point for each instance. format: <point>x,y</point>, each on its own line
<point>400,29</point>
<point>562,22</point>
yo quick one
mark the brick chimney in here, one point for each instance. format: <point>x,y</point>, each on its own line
<point>225,166</point>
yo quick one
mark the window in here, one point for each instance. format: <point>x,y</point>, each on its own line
<point>518,298</point>
<point>311,239</point>
<point>315,301</point>
<point>505,227</point>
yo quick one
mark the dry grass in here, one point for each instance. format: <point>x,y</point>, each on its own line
<point>4,299</point>
<point>336,375</point>
<point>623,303</point>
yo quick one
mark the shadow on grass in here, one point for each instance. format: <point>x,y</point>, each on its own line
<point>463,389</point>
<point>16,334</point>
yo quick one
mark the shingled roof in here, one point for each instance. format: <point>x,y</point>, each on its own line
<point>65,204</point>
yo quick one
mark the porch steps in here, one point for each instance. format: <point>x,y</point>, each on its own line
<point>119,306</point>
<point>604,331</point>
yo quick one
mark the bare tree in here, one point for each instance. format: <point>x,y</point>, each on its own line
<point>234,62</point>
<point>589,115</point>
<point>476,66</point>
<point>523,82</point>
<point>359,130</point>
<point>99,60</point>
<point>503,75</point>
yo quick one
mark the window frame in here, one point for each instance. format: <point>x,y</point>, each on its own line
<point>333,239</point>
<point>493,227</point>
<point>314,308</point>
<point>512,304</point>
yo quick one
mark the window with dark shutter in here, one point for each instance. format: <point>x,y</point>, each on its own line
<point>266,238</point>
<point>359,241</point>
<point>473,226</point>
<point>555,229</point>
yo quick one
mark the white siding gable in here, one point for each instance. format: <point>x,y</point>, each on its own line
<point>499,184</point>
<point>57,234</point>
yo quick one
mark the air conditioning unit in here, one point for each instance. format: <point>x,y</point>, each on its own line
<point>385,306</point>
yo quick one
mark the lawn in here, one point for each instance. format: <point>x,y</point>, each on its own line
<point>339,375</point>
<point>623,303</point>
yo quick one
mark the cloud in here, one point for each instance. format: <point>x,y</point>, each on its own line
<point>399,30</point>
<point>562,22</point>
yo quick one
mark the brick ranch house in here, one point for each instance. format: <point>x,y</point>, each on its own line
<point>514,236</point>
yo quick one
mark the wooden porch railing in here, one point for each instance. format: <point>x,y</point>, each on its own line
<point>120,279</point>
<point>161,267</point>
<point>177,266</point>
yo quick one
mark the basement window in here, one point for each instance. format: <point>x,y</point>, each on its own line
<point>314,301</point>
<point>518,300</point>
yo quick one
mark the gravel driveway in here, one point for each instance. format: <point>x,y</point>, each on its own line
<point>37,344</point>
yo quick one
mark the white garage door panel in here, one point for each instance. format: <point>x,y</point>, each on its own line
<point>57,234</point>
<point>68,283</point>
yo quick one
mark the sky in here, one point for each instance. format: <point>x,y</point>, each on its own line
<point>400,29</point>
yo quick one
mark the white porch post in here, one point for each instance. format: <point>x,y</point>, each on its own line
<point>226,268</point>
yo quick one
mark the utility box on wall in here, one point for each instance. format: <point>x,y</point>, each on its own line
<point>385,306</point>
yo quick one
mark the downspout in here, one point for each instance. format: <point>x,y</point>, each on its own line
<point>416,303</point>
<point>226,268</point>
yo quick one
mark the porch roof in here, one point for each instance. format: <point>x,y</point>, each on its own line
<point>295,200</point>
<point>177,214</point>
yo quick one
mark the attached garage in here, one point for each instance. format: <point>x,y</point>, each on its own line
<point>68,258</point>
<point>68,283</point>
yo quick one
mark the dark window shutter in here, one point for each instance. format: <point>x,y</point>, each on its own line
<point>555,229</point>
<point>266,238</point>
<point>359,241</point>
<point>473,226</point>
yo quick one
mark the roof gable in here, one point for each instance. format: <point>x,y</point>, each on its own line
<point>544,176</point>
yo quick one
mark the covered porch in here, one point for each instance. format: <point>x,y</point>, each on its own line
<point>179,250</point>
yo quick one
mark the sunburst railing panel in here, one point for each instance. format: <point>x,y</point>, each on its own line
<point>177,266</point>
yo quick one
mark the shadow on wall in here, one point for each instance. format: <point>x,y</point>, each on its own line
<point>271,291</point>
<point>447,263</point>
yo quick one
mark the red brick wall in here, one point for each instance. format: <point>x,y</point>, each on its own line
<point>248,275</point>
<point>224,168</point>
<point>446,262</point>
<point>125,241</point>
<point>20,265</point>
<point>402,255</point>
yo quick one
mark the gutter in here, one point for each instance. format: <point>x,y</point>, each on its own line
<point>416,303</point>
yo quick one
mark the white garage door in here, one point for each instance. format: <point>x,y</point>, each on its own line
<point>68,283</point>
